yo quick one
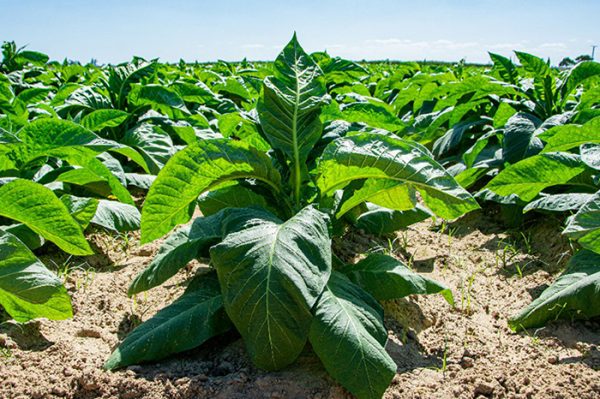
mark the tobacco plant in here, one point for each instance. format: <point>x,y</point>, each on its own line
<point>267,226</point>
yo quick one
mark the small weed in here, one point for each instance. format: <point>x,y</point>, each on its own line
<point>5,353</point>
<point>66,269</point>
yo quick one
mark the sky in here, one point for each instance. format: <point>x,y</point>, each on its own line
<point>113,31</point>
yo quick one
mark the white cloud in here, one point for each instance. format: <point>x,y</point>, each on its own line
<point>553,45</point>
<point>253,45</point>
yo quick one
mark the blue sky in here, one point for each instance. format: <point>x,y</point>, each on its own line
<point>113,31</point>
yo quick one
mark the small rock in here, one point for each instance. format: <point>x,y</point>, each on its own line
<point>553,359</point>
<point>59,391</point>
<point>484,388</point>
<point>467,362</point>
<point>143,251</point>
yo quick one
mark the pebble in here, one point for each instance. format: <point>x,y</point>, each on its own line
<point>553,359</point>
<point>484,388</point>
<point>467,362</point>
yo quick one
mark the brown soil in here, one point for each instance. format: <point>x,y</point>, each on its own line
<point>441,352</point>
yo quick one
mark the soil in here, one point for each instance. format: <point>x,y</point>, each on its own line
<point>441,352</point>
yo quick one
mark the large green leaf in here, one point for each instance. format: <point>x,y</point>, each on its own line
<point>386,193</point>
<point>558,202</point>
<point>585,224</point>
<point>117,216</point>
<point>590,155</point>
<point>535,65</point>
<point>160,98</point>
<point>121,78</point>
<point>193,318</point>
<point>231,195</point>
<point>348,335</point>
<point>385,278</point>
<point>101,118</point>
<point>374,115</point>
<point>375,156</point>
<point>197,169</point>
<point>82,209</point>
<point>378,220</point>
<point>182,246</point>
<point>505,67</point>
<point>573,295</point>
<point>155,145</point>
<point>39,209</point>
<point>528,177</point>
<point>66,140</point>
<point>579,74</point>
<point>565,137</point>
<point>520,140</point>
<point>27,289</point>
<point>271,274</point>
<point>290,106</point>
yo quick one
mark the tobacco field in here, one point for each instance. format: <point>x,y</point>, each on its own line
<point>311,227</point>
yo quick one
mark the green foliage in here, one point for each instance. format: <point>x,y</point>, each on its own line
<point>573,295</point>
<point>27,289</point>
<point>279,157</point>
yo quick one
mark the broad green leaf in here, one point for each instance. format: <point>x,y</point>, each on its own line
<point>27,288</point>
<point>33,95</point>
<point>573,295</point>
<point>34,57</point>
<point>290,106</point>
<point>139,180</point>
<point>385,278</point>
<point>527,178</point>
<point>503,114</point>
<point>535,65</point>
<point>27,236</point>
<point>453,138</point>
<point>234,124</point>
<point>348,335</point>
<point>558,202</point>
<point>563,138</point>
<point>271,274</point>
<point>154,144</point>
<point>66,140</point>
<point>189,321</point>
<point>579,74</point>
<point>375,156</point>
<point>231,195</point>
<point>590,155</point>
<point>39,209</point>
<point>373,115</point>
<point>233,87</point>
<point>194,170</point>
<point>197,93</point>
<point>101,118</point>
<point>520,140</point>
<point>507,70</point>
<point>160,98</point>
<point>82,209</point>
<point>122,77</point>
<point>117,216</point>
<point>94,172</point>
<point>178,249</point>
<point>585,224</point>
<point>378,220</point>
<point>386,193</point>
